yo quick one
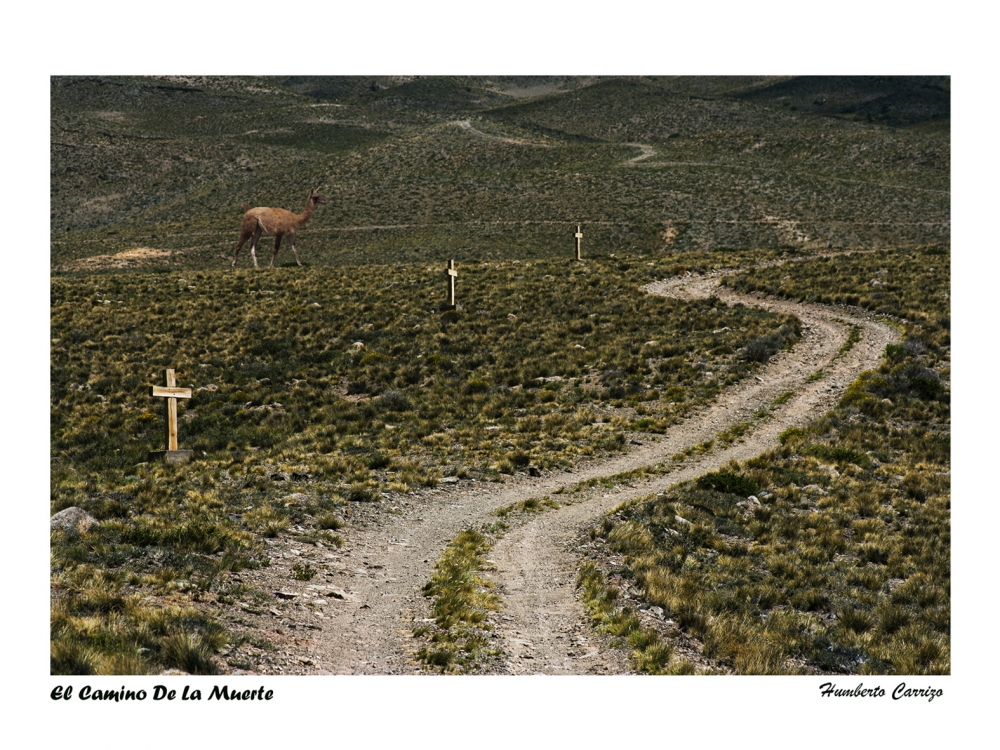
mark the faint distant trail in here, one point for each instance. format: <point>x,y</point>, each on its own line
<point>542,623</point>
<point>646,152</point>
<point>467,125</point>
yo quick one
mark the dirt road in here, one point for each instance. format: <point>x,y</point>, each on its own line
<point>359,618</point>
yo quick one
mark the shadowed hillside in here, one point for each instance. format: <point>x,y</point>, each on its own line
<point>492,168</point>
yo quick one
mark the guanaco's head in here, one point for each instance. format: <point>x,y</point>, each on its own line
<point>315,197</point>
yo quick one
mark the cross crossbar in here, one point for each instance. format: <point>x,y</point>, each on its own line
<point>159,390</point>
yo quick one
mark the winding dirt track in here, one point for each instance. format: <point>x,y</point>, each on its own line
<point>542,623</point>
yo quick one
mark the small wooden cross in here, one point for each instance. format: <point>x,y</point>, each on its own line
<point>579,236</point>
<point>452,273</point>
<point>171,393</point>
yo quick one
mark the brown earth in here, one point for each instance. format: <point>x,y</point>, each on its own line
<point>125,259</point>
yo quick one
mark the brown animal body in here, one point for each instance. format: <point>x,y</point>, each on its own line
<point>273,222</point>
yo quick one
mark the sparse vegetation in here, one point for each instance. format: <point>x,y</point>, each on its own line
<point>459,640</point>
<point>302,572</point>
<point>650,653</point>
<point>461,600</point>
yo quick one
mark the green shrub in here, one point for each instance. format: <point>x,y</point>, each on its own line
<point>724,481</point>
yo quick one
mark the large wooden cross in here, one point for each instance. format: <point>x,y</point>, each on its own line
<point>579,236</point>
<point>171,393</point>
<point>452,273</point>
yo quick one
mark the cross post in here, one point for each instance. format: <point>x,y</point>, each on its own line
<point>452,273</point>
<point>579,236</point>
<point>171,393</point>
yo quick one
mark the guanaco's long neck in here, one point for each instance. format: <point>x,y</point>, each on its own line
<point>310,207</point>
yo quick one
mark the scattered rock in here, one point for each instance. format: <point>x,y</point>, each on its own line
<point>267,407</point>
<point>534,471</point>
<point>285,594</point>
<point>448,480</point>
<point>73,520</point>
<point>339,594</point>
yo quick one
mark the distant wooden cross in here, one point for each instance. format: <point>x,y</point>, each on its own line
<point>171,393</point>
<point>452,273</point>
<point>579,236</point>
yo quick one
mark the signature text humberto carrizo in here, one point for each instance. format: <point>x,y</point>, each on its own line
<point>900,692</point>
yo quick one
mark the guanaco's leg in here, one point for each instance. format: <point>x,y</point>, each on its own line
<point>244,236</point>
<point>253,245</point>
<point>277,244</point>
<point>291,238</point>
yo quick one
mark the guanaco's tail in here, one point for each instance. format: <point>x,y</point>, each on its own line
<point>246,207</point>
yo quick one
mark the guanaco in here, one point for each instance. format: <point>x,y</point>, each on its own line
<point>273,222</point>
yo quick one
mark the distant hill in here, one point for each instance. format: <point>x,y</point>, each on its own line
<point>489,167</point>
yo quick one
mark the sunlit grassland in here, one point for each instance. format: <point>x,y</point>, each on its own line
<point>327,362</point>
<point>830,553</point>
<point>341,385</point>
<point>912,284</point>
